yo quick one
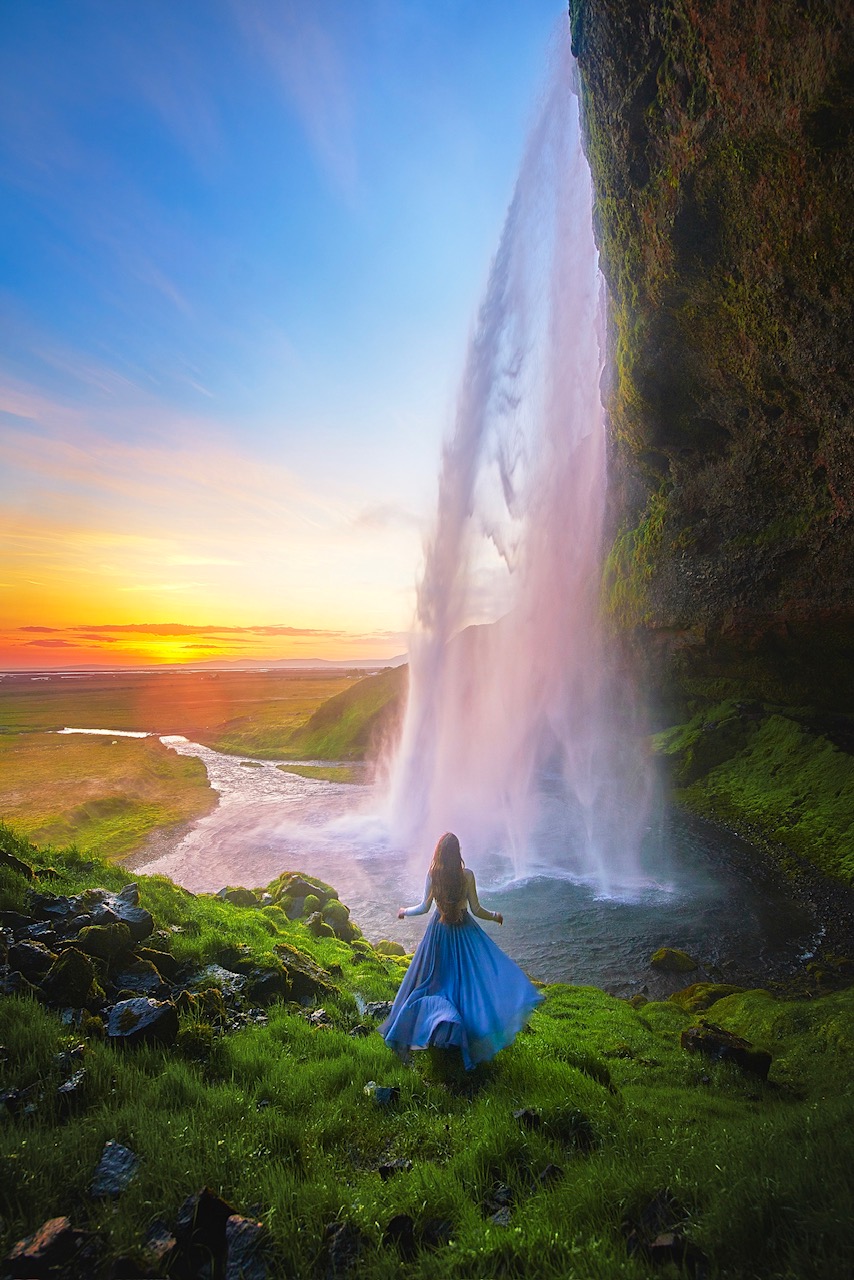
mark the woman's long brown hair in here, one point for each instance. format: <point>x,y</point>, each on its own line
<point>446,874</point>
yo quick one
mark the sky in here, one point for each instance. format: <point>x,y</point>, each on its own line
<point>242,245</point>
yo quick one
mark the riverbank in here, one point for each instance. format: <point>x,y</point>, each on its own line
<point>575,1152</point>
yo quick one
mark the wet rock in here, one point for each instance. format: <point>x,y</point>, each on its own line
<point>163,961</point>
<point>142,1020</point>
<point>15,984</point>
<point>343,1245</point>
<point>307,980</point>
<point>54,1247</point>
<point>70,1094</point>
<point>400,1165</point>
<point>400,1235</point>
<point>105,940</point>
<point>379,1009</point>
<point>130,894</point>
<point>238,896</point>
<point>320,1018</point>
<point>337,916</point>
<point>672,960</point>
<point>71,981</point>
<point>51,906</point>
<point>296,886</point>
<point>16,864</point>
<point>310,904</point>
<point>19,1102</point>
<point>160,1247</point>
<point>244,1249</point>
<point>702,995</point>
<point>214,975</point>
<point>266,985</point>
<point>14,920</point>
<point>316,926</point>
<point>115,1171</point>
<point>200,1230</point>
<point>359,1031</point>
<point>32,959</point>
<point>724,1046</point>
<point>528,1118</point>
<point>386,948</point>
<point>142,977</point>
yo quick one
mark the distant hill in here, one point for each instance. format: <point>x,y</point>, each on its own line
<point>350,724</point>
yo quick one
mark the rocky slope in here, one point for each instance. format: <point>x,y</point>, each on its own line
<point>719,136</point>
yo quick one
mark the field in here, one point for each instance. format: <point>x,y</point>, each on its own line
<point>109,794</point>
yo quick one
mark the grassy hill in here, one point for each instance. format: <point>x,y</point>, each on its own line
<point>350,724</point>
<point>595,1147</point>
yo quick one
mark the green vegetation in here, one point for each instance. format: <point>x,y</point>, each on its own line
<point>764,772</point>
<point>611,1116</point>
<point>355,721</point>
<point>107,794</point>
<point>324,773</point>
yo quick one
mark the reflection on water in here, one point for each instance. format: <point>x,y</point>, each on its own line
<point>712,902</point>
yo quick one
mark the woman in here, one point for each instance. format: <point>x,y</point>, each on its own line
<point>460,989</point>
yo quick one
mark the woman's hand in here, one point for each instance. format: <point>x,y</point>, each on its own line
<point>498,917</point>
<point>401,914</point>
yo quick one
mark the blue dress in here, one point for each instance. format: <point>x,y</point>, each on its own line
<point>460,990</point>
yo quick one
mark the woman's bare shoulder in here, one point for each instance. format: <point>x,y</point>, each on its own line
<point>469,875</point>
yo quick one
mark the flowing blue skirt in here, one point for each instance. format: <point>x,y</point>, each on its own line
<point>460,990</point>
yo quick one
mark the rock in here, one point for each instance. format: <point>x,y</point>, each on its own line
<point>400,1234</point>
<point>550,1174</point>
<point>15,864</point>
<point>71,981</point>
<point>307,980</point>
<point>160,1247</point>
<point>359,1031</point>
<point>343,1244</point>
<point>266,985</point>
<point>32,959</point>
<point>143,1020</point>
<point>130,895</point>
<point>105,940</point>
<point>724,1046</point>
<point>200,1230</point>
<point>214,975</point>
<point>115,1171</point>
<point>320,1018</point>
<point>311,903</point>
<point>70,1094</point>
<point>386,948</point>
<point>672,960</point>
<point>50,906</point>
<point>163,961</point>
<point>14,920</point>
<point>379,1009</point>
<point>296,886</point>
<point>239,897</point>
<point>436,1232</point>
<point>15,984</point>
<point>383,1095</point>
<point>316,926</point>
<point>336,915</point>
<point>528,1118</point>
<point>501,1217</point>
<point>244,1240</point>
<point>400,1165</point>
<point>702,995</point>
<point>55,1245</point>
<point>19,1102</point>
<point>141,976</point>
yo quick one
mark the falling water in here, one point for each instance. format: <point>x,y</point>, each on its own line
<point>520,732</point>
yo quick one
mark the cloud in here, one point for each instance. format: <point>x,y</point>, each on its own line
<point>195,629</point>
<point>386,516</point>
<point>53,644</point>
<point>39,628</point>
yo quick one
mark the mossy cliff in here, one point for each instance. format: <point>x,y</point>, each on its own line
<point>719,137</point>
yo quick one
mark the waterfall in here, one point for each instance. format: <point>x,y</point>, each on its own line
<point>519,732</point>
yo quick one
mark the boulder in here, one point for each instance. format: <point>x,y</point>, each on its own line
<point>141,976</point>
<point>142,1020</point>
<point>15,864</point>
<point>379,1009</point>
<point>225,980</point>
<point>163,961</point>
<point>386,948</point>
<point>55,1246</point>
<point>724,1046</point>
<point>316,926</point>
<point>115,1171</point>
<point>702,995</point>
<point>310,904</point>
<point>672,960</point>
<point>244,1249</point>
<point>32,959</point>
<point>266,985</point>
<point>343,1245</point>
<point>201,1230</point>
<point>70,982</point>
<point>238,896</point>
<point>307,980</point>
<point>105,940</point>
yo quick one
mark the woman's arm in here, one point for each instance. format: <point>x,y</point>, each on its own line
<point>424,904</point>
<point>477,909</point>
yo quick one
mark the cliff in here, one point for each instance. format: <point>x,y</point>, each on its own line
<point>719,136</point>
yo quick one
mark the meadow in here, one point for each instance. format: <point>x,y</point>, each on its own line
<point>595,1147</point>
<point>112,794</point>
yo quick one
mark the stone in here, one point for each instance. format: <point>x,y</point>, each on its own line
<point>163,961</point>
<point>71,981</point>
<point>400,1234</point>
<point>50,906</point>
<point>115,1171</point>
<point>130,895</point>
<point>436,1232</point>
<point>225,980</point>
<point>386,1095</point>
<point>388,1170</point>
<point>244,1242</point>
<point>32,959</point>
<point>266,985</point>
<point>14,920</point>
<point>141,976</point>
<point>160,1246</point>
<point>15,984</point>
<point>54,1246</point>
<point>528,1118</point>
<point>343,1245</point>
<point>70,1094</point>
<point>311,903</point>
<point>142,1020</point>
<point>200,1230</point>
<point>16,864</point>
<point>307,980</point>
<point>724,1046</point>
<point>672,960</point>
<point>105,940</point>
<point>379,1009</point>
<point>317,928</point>
<point>19,1102</point>
<point>238,897</point>
<point>319,1018</point>
<point>702,995</point>
<point>386,948</point>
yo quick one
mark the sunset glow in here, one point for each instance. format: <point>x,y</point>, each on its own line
<point>243,245</point>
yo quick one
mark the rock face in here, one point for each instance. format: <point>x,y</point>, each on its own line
<point>719,137</point>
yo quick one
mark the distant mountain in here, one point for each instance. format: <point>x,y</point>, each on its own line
<point>225,664</point>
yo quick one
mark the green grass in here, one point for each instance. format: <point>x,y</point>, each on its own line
<point>762,1171</point>
<point>352,723</point>
<point>766,772</point>
<point>324,773</point>
<point>107,794</point>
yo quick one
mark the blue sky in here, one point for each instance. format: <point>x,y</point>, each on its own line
<point>241,247</point>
